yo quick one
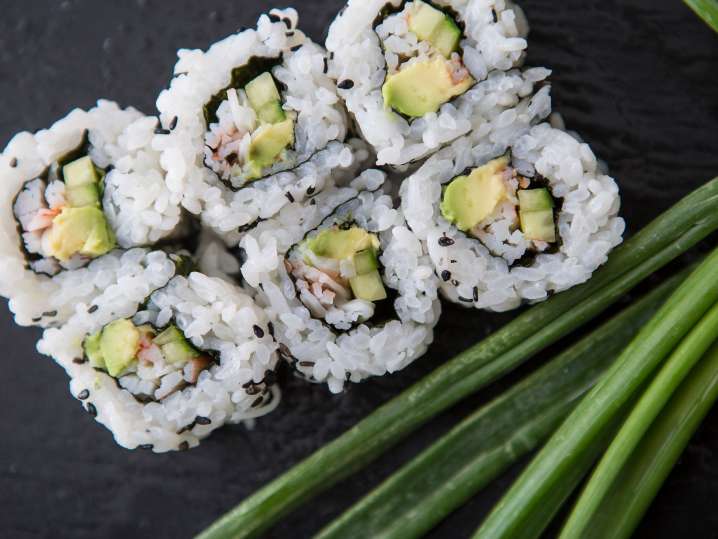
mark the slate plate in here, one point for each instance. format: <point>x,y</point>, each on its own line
<point>637,78</point>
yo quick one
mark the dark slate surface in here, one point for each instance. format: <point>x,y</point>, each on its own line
<point>637,78</point>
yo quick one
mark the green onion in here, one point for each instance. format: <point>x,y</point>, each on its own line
<point>693,347</point>
<point>600,407</point>
<point>651,462</point>
<point>677,230</point>
<point>706,10</point>
<point>443,477</point>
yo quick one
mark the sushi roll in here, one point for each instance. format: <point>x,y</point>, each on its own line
<point>354,297</point>
<point>252,124</point>
<point>74,193</point>
<point>537,218</point>
<point>163,373</point>
<point>416,75</point>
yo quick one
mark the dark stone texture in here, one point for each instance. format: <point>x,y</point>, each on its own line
<point>637,78</point>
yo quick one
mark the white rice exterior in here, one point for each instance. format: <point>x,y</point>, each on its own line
<point>588,224</point>
<point>332,357</point>
<point>490,49</point>
<point>214,315</point>
<point>320,128</point>
<point>117,138</point>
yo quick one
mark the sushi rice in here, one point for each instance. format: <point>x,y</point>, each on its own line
<point>137,206</point>
<point>182,407</point>
<point>372,40</point>
<point>344,344</point>
<point>206,160</point>
<point>500,268</point>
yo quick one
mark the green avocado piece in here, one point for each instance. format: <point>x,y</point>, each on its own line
<point>341,244</point>
<point>80,172</point>
<point>436,27</point>
<point>272,113</point>
<point>535,199</point>
<point>365,261</point>
<point>538,225</point>
<point>170,334</point>
<point>262,90</point>
<point>93,352</point>
<point>268,142</point>
<point>468,200</point>
<point>80,230</point>
<point>368,286</point>
<point>422,87</point>
<point>179,352</point>
<point>119,344</point>
<point>83,195</point>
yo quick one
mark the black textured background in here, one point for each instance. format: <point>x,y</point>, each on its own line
<point>637,78</point>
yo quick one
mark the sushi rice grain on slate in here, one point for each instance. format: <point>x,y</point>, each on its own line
<point>261,84</point>
<point>416,75</point>
<point>149,398</point>
<point>493,250</point>
<point>51,228</point>
<point>328,329</point>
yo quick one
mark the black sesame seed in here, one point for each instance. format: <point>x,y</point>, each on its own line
<point>162,131</point>
<point>466,300</point>
<point>82,395</point>
<point>50,314</point>
<point>257,402</point>
<point>13,161</point>
<point>201,420</point>
<point>331,55</point>
<point>79,360</point>
<point>252,390</point>
<point>289,196</point>
<point>452,261</point>
<point>173,123</point>
<point>36,320</point>
<point>91,409</point>
<point>445,241</point>
<point>312,202</point>
<point>326,66</point>
<point>274,18</point>
<point>258,332</point>
<point>346,84</point>
<point>494,15</point>
<point>455,282</point>
<point>184,446</point>
<point>476,293</point>
<point>446,275</point>
<point>306,363</point>
<point>310,190</point>
<point>271,328</point>
<point>92,309</point>
<point>296,48</point>
<point>290,33</point>
<point>147,446</point>
<point>287,21</point>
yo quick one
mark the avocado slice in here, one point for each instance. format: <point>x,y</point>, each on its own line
<point>93,352</point>
<point>341,244</point>
<point>436,27</point>
<point>80,230</point>
<point>83,195</point>
<point>119,344</point>
<point>175,346</point>
<point>422,87</point>
<point>368,286</point>
<point>468,200</point>
<point>80,172</point>
<point>265,99</point>
<point>538,225</point>
<point>365,261</point>
<point>268,142</point>
<point>535,199</point>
